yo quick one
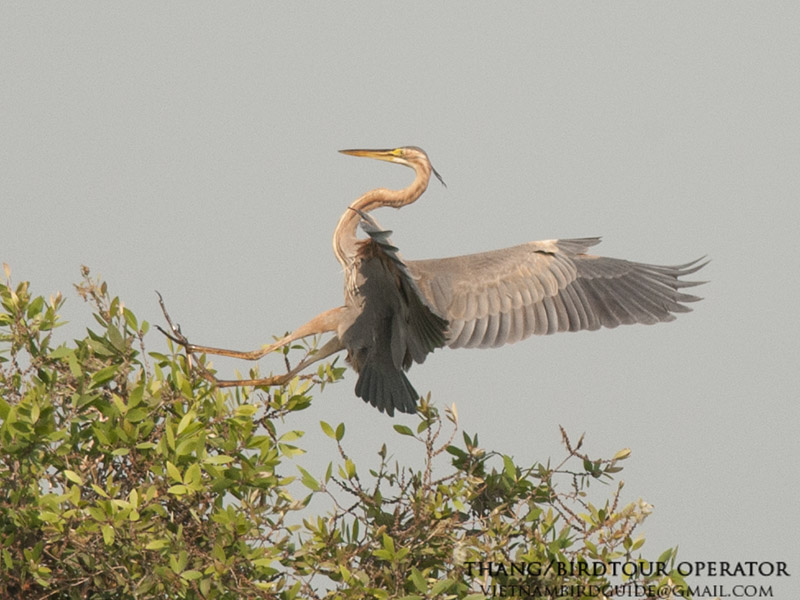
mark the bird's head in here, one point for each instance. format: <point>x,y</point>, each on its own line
<point>410,156</point>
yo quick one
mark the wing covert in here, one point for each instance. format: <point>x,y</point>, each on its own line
<point>503,296</point>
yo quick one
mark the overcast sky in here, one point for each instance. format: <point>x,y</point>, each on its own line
<point>191,148</point>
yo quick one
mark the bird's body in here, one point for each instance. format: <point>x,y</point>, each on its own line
<point>396,312</point>
<point>389,326</point>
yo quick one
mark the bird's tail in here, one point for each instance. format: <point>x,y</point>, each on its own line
<point>386,389</point>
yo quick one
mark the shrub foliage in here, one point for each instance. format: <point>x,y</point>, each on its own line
<point>125,474</point>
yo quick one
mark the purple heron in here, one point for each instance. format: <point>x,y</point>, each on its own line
<point>396,311</point>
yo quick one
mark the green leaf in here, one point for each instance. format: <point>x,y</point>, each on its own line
<point>403,430</point>
<point>193,477</point>
<point>74,366</point>
<point>35,307</point>
<point>383,554</point>
<point>441,586</point>
<point>99,348</point>
<point>49,516</point>
<point>327,430</point>
<point>289,450</point>
<point>178,562</point>
<point>137,414</point>
<point>73,476</point>
<point>418,580</point>
<point>62,351</point>
<point>174,472</point>
<point>340,432</point>
<point>35,412</point>
<point>191,575</point>
<point>509,468</point>
<point>245,410</point>
<point>219,459</point>
<point>108,534</point>
<point>308,480</point>
<point>115,338</point>
<point>622,454</point>
<point>185,447</point>
<point>291,436</point>
<point>186,420</point>
<point>170,434</point>
<point>119,403</point>
<point>130,319</point>
<point>104,375</point>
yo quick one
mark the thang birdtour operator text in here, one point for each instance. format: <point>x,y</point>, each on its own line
<point>628,568</point>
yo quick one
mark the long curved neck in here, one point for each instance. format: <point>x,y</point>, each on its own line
<point>344,236</point>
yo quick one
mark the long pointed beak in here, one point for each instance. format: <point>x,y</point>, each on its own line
<point>388,155</point>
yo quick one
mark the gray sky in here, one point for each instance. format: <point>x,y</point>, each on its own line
<point>191,148</point>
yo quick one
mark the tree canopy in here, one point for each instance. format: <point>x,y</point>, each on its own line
<point>126,474</point>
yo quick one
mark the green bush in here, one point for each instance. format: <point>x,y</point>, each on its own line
<point>125,474</point>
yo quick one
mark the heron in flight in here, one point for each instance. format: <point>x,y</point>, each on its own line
<point>397,311</point>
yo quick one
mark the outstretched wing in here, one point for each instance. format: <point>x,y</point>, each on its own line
<point>394,326</point>
<point>503,296</point>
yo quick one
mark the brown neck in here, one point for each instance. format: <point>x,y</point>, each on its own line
<point>344,236</point>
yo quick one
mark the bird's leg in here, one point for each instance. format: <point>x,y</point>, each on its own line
<point>331,347</point>
<point>322,323</point>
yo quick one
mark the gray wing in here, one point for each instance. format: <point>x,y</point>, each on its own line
<point>503,296</point>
